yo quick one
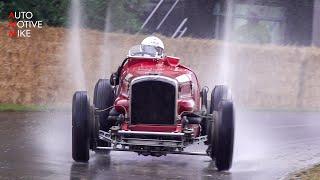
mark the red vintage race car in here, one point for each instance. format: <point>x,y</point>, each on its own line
<point>153,106</point>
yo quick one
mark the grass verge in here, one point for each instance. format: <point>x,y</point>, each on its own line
<point>22,107</point>
<point>308,174</point>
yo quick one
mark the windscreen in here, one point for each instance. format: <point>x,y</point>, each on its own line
<point>144,51</point>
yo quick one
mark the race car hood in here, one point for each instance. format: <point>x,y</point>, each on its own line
<point>141,67</point>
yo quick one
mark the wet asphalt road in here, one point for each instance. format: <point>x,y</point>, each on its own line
<point>269,145</point>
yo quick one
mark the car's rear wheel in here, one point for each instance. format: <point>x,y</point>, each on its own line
<point>219,93</point>
<point>103,98</point>
<point>80,127</point>
<point>223,136</point>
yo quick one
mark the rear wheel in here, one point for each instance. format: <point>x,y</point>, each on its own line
<point>103,98</point>
<point>219,93</point>
<point>80,127</point>
<point>223,136</point>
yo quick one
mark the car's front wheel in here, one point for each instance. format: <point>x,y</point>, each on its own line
<point>80,127</point>
<point>103,99</point>
<point>223,136</point>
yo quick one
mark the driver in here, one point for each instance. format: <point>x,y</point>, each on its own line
<point>150,46</point>
<point>153,45</point>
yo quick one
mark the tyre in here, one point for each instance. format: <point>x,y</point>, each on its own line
<point>204,104</point>
<point>103,98</point>
<point>219,93</point>
<point>223,136</point>
<point>80,127</point>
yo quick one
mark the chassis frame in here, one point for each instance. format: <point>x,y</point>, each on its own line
<point>164,143</point>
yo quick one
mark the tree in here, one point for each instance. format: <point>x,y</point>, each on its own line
<point>52,12</point>
<point>125,15</point>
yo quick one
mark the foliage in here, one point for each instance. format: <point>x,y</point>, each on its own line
<point>124,15</point>
<point>50,12</point>
<point>1,6</point>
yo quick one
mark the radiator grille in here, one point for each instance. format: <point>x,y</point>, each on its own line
<point>153,102</point>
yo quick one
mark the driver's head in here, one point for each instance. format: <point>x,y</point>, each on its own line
<point>153,45</point>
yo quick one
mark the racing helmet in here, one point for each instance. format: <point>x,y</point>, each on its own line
<point>153,45</point>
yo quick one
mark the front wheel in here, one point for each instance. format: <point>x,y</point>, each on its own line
<point>223,136</point>
<point>103,98</point>
<point>80,127</point>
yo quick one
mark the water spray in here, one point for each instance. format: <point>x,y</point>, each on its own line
<point>75,60</point>
<point>224,57</point>
<point>105,61</point>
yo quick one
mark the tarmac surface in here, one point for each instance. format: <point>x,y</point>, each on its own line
<point>269,145</point>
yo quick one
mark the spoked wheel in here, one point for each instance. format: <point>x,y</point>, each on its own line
<point>80,127</point>
<point>103,98</point>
